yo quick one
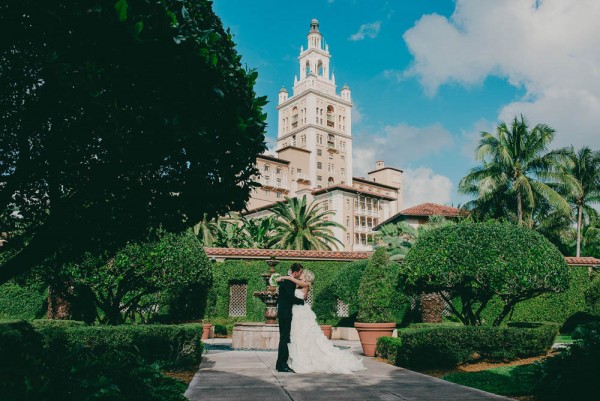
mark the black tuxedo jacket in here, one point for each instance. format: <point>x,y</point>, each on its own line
<point>286,299</point>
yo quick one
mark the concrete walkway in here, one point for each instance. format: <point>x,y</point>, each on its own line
<point>251,376</point>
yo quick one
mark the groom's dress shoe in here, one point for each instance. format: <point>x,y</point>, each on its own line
<point>286,369</point>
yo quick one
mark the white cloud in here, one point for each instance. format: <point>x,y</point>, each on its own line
<point>423,185</point>
<point>547,47</point>
<point>357,115</point>
<point>398,145</point>
<point>367,30</point>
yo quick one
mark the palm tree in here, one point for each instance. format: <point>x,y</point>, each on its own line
<point>514,165</point>
<point>304,227</point>
<point>206,230</point>
<point>582,186</point>
<point>260,233</point>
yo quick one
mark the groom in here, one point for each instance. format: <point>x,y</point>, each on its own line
<point>284,313</point>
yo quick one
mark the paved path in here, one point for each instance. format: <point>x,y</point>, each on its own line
<point>251,376</point>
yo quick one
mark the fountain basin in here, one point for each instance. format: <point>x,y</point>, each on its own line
<point>255,336</point>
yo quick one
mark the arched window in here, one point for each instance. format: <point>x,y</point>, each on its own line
<point>330,181</point>
<point>320,68</point>
<point>294,117</point>
<point>307,68</point>
<point>330,116</point>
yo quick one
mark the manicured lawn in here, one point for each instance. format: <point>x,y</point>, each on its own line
<point>506,380</point>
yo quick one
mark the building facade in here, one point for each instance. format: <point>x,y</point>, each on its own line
<point>314,155</point>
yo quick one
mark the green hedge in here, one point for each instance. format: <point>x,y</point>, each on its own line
<point>25,302</point>
<point>169,346</point>
<point>446,347</point>
<point>249,272</point>
<point>74,362</point>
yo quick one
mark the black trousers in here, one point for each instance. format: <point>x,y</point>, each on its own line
<point>283,353</point>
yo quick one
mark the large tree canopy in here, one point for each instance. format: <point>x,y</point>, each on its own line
<point>117,117</point>
<point>475,262</point>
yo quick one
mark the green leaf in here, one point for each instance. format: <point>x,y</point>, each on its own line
<point>121,7</point>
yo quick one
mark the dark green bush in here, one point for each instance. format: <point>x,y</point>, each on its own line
<point>573,374</point>
<point>21,367</point>
<point>378,299</point>
<point>169,346</point>
<point>25,301</point>
<point>220,330</point>
<point>446,347</point>
<point>43,323</point>
<point>592,297</point>
<point>69,362</point>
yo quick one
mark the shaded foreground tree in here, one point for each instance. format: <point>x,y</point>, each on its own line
<point>139,279</point>
<point>475,262</point>
<point>118,117</point>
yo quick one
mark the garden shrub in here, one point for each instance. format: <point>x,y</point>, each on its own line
<point>169,346</point>
<point>220,331</point>
<point>573,374</point>
<point>20,360</point>
<point>25,301</point>
<point>73,362</point>
<point>446,347</point>
<point>43,323</point>
<point>592,297</point>
<point>477,263</point>
<point>378,299</point>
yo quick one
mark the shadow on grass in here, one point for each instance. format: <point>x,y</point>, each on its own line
<point>507,380</point>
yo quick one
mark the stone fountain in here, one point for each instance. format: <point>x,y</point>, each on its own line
<point>259,335</point>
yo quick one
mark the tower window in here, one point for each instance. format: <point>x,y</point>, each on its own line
<point>319,152</point>
<point>319,165</point>
<point>330,116</point>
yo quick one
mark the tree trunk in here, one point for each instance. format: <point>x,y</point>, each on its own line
<point>59,308</point>
<point>431,306</point>
<point>579,218</point>
<point>519,207</point>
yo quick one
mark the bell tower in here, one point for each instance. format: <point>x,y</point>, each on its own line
<point>315,118</point>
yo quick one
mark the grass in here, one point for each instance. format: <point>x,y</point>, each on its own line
<point>506,380</point>
<point>565,339</point>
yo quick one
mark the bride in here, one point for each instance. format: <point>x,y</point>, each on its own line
<point>310,350</point>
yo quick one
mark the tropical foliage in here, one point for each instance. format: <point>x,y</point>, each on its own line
<point>104,140</point>
<point>477,262</point>
<point>582,189</point>
<point>514,171</point>
<point>304,226</point>
<point>521,181</point>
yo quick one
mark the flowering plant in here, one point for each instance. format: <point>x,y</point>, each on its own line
<point>272,279</point>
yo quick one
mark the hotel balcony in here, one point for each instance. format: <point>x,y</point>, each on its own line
<point>301,177</point>
<point>363,229</point>
<point>359,211</point>
<point>272,183</point>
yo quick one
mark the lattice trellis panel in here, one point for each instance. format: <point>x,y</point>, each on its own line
<point>309,298</point>
<point>342,309</point>
<point>237,299</point>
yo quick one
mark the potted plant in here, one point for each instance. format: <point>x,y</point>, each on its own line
<point>206,330</point>
<point>376,301</point>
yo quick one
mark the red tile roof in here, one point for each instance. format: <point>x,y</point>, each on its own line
<point>433,209</point>
<point>582,261</point>
<point>238,253</point>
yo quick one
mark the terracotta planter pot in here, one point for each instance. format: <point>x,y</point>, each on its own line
<point>206,329</point>
<point>326,330</point>
<point>370,332</point>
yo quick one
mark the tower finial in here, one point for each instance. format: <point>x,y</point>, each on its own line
<point>314,25</point>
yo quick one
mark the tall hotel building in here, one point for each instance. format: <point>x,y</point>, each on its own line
<point>314,155</point>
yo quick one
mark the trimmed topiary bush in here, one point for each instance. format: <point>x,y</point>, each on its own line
<point>378,299</point>
<point>446,347</point>
<point>475,263</point>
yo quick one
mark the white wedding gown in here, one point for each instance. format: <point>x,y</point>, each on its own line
<point>311,351</point>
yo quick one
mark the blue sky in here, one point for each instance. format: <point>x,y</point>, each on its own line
<point>427,76</point>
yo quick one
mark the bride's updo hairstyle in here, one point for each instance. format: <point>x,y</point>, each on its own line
<point>309,277</point>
